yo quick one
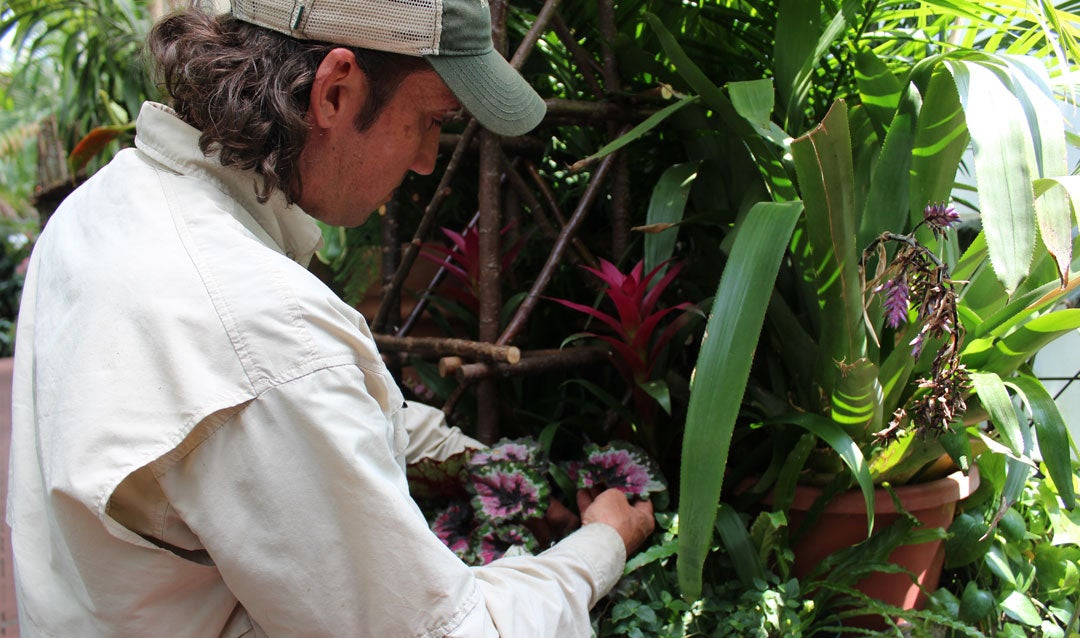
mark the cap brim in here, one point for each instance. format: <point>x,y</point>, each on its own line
<point>492,91</point>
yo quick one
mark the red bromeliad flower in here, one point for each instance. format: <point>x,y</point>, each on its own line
<point>636,321</point>
<point>463,262</point>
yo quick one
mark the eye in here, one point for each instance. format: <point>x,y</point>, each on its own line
<point>435,122</point>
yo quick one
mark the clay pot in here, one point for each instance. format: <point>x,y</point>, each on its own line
<point>843,524</point>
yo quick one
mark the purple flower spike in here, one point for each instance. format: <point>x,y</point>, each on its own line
<point>895,301</point>
<point>940,216</point>
<point>509,493</point>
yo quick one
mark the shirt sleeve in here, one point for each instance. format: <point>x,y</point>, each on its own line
<point>301,501</point>
<point>430,436</point>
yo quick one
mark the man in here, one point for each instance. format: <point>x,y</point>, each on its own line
<point>206,442</point>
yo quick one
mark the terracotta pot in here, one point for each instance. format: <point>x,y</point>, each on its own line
<point>843,524</point>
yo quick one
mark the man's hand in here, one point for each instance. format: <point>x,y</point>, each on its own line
<point>557,522</point>
<point>634,522</point>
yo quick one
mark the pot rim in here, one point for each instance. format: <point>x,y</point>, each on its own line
<point>919,496</point>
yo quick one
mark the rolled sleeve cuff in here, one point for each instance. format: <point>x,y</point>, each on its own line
<point>601,548</point>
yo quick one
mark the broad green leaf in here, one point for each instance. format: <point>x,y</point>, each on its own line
<point>740,549</point>
<point>798,27</point>
<point>1047,126</point>
<point>846,448</point>
<point>333,247</point>
<point>1018,606</point>
<point>666,206</point>
<point>879,90</point>
<point>1004,161</point>
<point>1022,344</point>
<point>941,137</point>
<point>833,31</point>
<point>823,165</point>
<point>958,445</point>
<point>777,180</point>
<point>887,202</point>
<point>753,100</point>
<point>658,390</point>
<point>1066,524</point>
<point>1051,433</point>
<point>995,398</point>
<point>856,400</point>
<point>1055,221</point>
<point>724,360</point>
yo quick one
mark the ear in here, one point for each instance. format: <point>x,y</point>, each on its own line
<point>338,91</point>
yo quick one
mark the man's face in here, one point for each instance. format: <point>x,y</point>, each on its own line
<point>348,174</point>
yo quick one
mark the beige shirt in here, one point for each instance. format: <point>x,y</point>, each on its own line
<point>207,443</point>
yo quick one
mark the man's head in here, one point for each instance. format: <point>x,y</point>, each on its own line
<point>454,36</point>
<point>274,103</point>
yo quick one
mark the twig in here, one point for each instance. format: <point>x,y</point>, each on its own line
<point>517,182</point>
<point>568,232</point>
<point>582,58</point>
<point>424,228</point>
<point>476,350</point>
<point>532,362</point>
<point>528,43</point>
<point>436,279</point>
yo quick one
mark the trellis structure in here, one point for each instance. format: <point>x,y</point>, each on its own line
<point>477,364</point>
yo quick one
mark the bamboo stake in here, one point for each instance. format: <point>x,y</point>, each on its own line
<point>490,296</point>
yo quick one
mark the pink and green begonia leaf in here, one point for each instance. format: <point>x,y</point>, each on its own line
<point>621,466</point>
<point>508,492</point>
<point>455,526</point>
<point>430,479</point>
<point>524,450</point>
<point>493,541</point>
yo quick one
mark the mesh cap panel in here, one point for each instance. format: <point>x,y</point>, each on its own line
<point>410,27</point>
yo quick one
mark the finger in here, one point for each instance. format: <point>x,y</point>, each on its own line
<point>584,500</point>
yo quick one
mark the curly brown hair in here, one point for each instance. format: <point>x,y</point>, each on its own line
<point>247,89</point>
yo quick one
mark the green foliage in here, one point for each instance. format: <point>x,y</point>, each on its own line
<point>83,48</point>
<point>1014,571</point>
<point>872,169</point>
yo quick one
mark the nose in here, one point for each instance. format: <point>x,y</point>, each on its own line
<point>424,162</point>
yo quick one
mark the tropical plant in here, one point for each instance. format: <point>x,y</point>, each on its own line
<point>1021,576</point>
<point>793,267</point>
<point>639,339</point>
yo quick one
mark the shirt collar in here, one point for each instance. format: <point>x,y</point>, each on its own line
<point>169,140</point>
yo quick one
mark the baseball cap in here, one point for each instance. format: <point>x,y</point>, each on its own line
<point>453,35</point>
